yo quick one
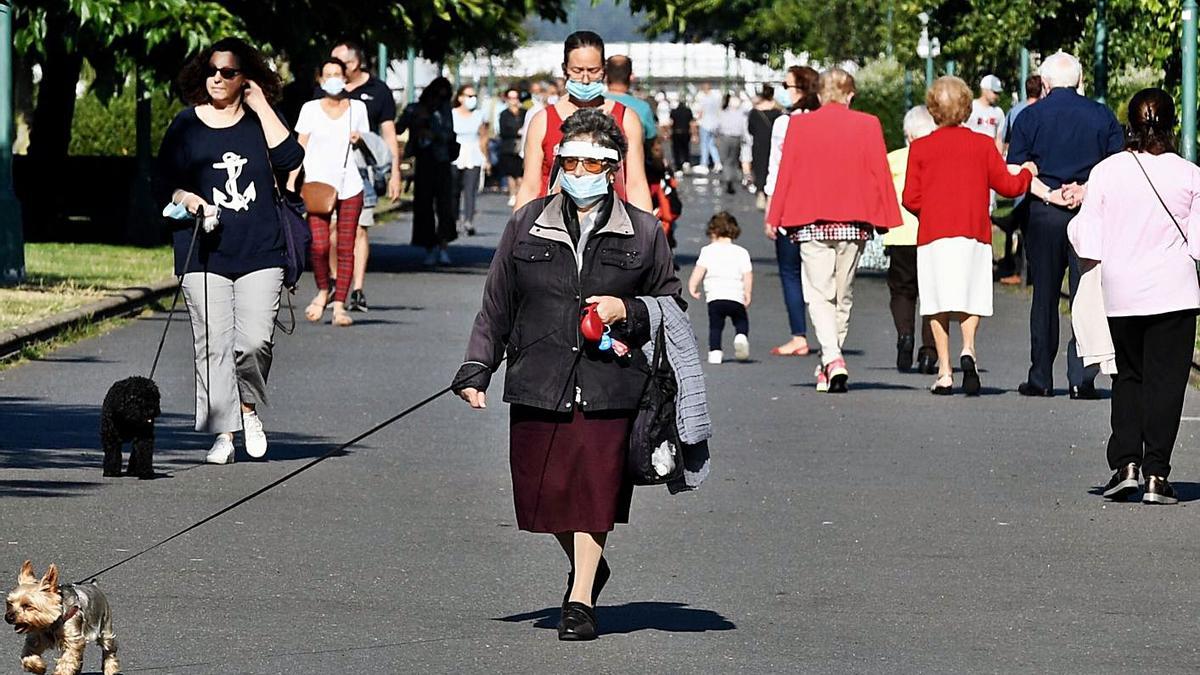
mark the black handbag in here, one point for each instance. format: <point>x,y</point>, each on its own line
<point>654,449</point>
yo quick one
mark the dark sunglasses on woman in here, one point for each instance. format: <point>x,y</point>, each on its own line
<point>589,165</point>
<point>226,73</point>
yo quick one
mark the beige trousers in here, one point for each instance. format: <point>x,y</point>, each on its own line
<point>828,276</point>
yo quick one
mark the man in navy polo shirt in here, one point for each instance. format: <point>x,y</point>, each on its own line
<point>1065,134</point>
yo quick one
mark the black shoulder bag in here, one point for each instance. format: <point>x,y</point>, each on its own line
<point>654,449</point>
<point>1166,208</point>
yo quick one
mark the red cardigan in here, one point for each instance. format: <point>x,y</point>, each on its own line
<point>947,181</point>
<point>834,168</point>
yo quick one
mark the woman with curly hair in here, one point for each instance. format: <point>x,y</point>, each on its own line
<point>222,157</point>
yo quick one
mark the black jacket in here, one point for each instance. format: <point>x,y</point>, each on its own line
<point>533,299</point>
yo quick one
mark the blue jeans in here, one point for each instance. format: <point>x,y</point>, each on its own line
<point>708,147</point>
<point>787,252</point>
<point>370,198</point>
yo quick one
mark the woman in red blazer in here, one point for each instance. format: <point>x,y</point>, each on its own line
<point>834,188</point>
<point>949,175</point>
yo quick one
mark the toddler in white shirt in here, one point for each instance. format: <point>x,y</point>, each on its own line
<point>727,276</point>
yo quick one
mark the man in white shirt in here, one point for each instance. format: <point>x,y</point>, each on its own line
<point>986,117</point>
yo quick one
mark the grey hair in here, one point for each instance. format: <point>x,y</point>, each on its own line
<point>918,123</point>
<point>598,127</point>
<point>1060,69</point>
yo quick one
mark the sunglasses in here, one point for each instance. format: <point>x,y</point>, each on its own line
<point>226,73</point>
<point>589,165</point>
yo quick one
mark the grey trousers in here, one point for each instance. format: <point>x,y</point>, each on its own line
<point>730,148</point>
<point>233,330</point>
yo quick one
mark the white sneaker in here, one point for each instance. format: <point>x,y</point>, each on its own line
<point>256,439</point>
<point>444,258</point>
<point>221,451</point>
<point>512,201</point>
<point>741,347</point>
<point>715,356</point>
<point>700,170</point>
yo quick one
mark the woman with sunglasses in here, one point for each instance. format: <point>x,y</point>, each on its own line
<point>223,156</point>
<point>583,63</point>
<point>573,400</point>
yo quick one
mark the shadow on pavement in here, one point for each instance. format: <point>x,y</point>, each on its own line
<point>45,488</point>
<point>400,259</point>
<point>43,435</point>
<point>671,617</point>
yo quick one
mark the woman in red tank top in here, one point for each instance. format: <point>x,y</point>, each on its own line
<point>583,64</point>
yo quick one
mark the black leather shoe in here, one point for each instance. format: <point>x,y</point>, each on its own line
<point>1026,389</point>
<point>602,575</point>
<point>357,301</point>
<point>1124,483</point>
<point>927,362</point>
<point>578,623</point>
<point>1158,491</point>
<point>971,383</point>
<point>1085,392</point>
<point>904,353</point>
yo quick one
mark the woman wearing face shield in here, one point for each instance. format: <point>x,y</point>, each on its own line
<point>327,129</point>
<point>583,64</point>
<point>573,400</point>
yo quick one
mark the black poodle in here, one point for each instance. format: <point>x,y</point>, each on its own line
<point>130,407</point>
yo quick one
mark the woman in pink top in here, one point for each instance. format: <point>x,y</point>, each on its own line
<point>1141,219</point>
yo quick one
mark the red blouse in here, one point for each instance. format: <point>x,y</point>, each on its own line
<point>946,184</point>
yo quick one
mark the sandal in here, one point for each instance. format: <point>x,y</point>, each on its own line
<point>799,351</point>
<point>943,386</point>
<point>341,317</point>
<point>314,311</point>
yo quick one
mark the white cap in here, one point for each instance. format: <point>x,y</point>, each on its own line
<point>991,83</point>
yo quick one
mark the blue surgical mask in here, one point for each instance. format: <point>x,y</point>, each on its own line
<point>333,86</point>
<point>585,92</point>
<point>587,189</point>
<point>176,212</point>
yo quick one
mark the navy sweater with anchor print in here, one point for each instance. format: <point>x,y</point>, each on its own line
<point>230,168</point>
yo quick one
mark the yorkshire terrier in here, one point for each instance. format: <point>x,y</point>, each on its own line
<point>127,415</point>
<point>65,617</point>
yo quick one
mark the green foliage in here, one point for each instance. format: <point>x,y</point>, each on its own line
<point>106,127</point>
<point>880,84</point>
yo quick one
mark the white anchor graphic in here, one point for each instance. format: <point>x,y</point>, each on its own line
<point>233,163</point>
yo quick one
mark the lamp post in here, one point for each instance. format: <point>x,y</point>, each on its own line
<point>1024,66</point>
<point>383,62</point>
<point>12,244</point>
<point>410,88</point>
<point>1100,65</point>
<point>1189,80</point>
<point>927,49</point>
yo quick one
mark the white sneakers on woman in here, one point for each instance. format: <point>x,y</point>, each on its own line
<point>221,451</point>
<point>256,439</point>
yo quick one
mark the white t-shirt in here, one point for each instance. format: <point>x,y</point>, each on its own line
<point>466,128</point>
<point>325,157</point>
<point>985,119</point>
<point>710,109</point>
<point>725,263</point>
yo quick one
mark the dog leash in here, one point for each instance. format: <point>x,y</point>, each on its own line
<point>178,290</point>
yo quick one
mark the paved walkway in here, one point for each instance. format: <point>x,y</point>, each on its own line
<point>881,531</point>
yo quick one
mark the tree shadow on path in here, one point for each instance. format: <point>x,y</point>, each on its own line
<point>671,617</point>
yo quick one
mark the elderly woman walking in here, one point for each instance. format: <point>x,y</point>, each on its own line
<point>573,401</point>
<point>1140,221</point>
<point>834,188</point>
<point>949,174</point>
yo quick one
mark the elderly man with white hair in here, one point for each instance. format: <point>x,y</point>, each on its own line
<point>1065,134</point>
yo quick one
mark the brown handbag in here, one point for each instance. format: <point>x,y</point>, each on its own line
<point>319,198</point>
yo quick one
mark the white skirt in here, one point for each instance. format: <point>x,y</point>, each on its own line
<point>955,275</point>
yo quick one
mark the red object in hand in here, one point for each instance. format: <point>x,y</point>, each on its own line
<point>591,326</point>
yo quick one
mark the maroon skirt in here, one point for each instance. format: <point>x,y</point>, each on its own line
<point>568,469</point>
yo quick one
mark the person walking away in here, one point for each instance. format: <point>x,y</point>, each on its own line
<point>471,131</point>
<point>1140,222</point>
<point>229,144</point>
<point>900,243</point>
<point>947,185</point>
<point>834,188</point>
<point>374,93</point>
<point>801,83</point>
<point>709,102</point>
<point>509,124</point>
<point>1009,269</point>
<point>573,403</point>
<point>328,129</point>
<point>682,123</point>
<point>728,277</point>
<point>431,129</point>
<point>731,129</point>
<point>618,73</point>
<point>759,126</point>
<point>583,62</point>
<point>1065,134</point>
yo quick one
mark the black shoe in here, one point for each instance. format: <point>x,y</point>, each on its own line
<point>1158,491</point>
<point>1086,392</point>
<point>970,375</point>
<point>904,353</point>
<point>357,301</point>
<point>602,575</point>
<point>1026,389</point>
<point>729,189</point>
<point>927,362</point>
<point>332,288</point>
<point>578,622</point>
<point>1123,484</point>
<point>939,390</point>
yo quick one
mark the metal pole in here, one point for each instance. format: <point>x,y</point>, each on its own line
<point>383,62</point>
<point>929,71</point>
<point>491,77</point>
<point>1024,69</point>
<point>12,244</point>
<point>908,92</point>
<point>1100,67</point>
<point>410,87</point>
<point>951,66</point>
<point>1189,79</point>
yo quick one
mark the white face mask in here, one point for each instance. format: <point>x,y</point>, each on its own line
<point>333,86</point>
<point>471,103</point>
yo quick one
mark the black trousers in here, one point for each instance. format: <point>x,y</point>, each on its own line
<point>902,284</point>
<point>435,212</point>
<point>1154,360</point>
<point>1050,256</point>
<point>718,311</point>
<point>681,149</point>
<point>1011,263</point>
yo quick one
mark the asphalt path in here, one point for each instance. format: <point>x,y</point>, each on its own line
<point>881,531</point>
